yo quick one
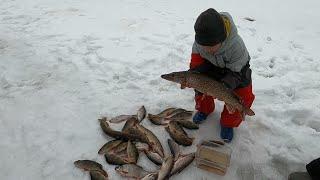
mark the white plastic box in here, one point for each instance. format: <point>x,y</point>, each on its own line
<point>213,156</point>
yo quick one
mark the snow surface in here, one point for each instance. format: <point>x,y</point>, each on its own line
<point>66,63</point>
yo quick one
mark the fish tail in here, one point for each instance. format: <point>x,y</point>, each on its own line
<point>249,112</point>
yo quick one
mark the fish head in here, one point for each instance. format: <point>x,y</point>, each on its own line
<point>78,164</point>
<point>178,77</point>
<point>121,170</point>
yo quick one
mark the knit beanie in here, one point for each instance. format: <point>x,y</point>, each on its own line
<point>209,28</point>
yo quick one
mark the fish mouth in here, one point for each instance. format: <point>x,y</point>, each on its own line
<point>164,76</point>
<point>168,77</point>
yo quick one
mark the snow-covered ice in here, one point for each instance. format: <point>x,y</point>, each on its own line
<point>64,64</point>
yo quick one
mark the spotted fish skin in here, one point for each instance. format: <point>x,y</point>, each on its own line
<point>97,175</point>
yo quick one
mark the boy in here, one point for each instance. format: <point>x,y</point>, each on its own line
<point>219,52</point>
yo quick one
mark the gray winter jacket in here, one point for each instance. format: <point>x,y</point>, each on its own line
<point>232,58</point>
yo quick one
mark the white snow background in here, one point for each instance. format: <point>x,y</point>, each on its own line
<point>64,64</point>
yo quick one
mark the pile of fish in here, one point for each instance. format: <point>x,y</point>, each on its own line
<point>125,148</point>
<point>175,119</point>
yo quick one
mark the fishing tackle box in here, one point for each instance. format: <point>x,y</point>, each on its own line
<point>213,156</point>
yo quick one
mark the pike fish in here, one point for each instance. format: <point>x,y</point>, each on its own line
<point>210,87</point>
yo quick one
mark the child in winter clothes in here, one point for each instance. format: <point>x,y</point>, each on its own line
<point>219,52</point>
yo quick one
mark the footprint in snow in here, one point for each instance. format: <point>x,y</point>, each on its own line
<point>294,45</point>
<point>272,62</point>
<point>314,124</point>
<point>269,39</point>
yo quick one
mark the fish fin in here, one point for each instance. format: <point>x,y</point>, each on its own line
<point>249,112</point>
